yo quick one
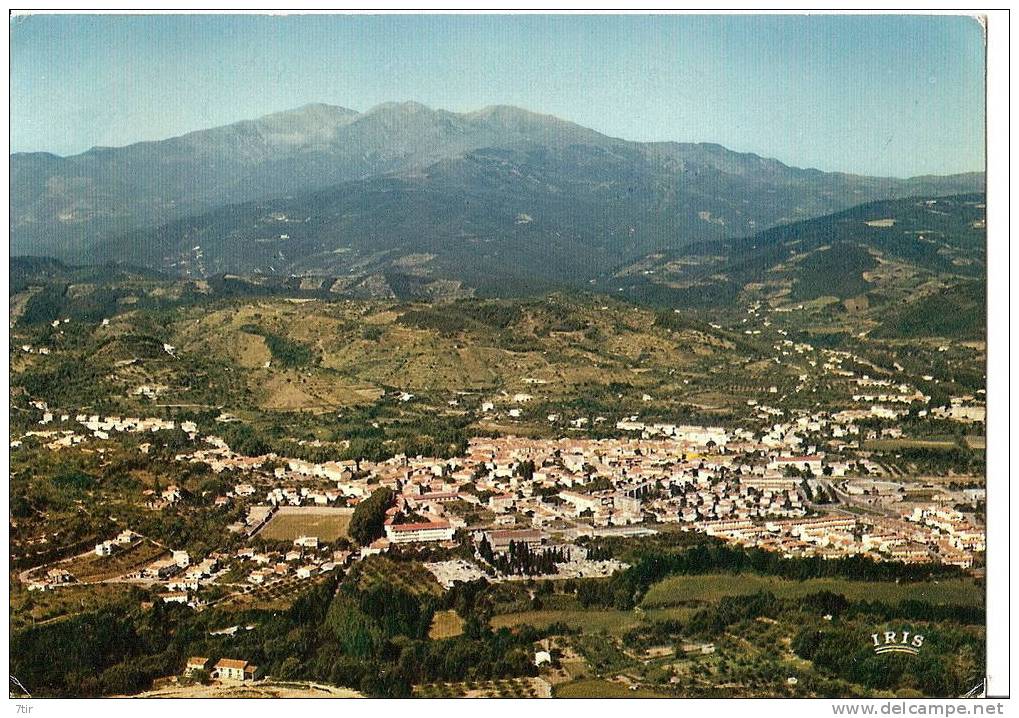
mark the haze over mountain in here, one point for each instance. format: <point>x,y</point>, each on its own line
<point>498,192</point>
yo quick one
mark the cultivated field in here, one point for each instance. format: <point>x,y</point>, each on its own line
<point>678,590</point>
<point>276,595</point>
<point>600,688</point>
<point>609,621</point>
<point>408,575</point>
<point>504,688</point>
<point>290,522</point>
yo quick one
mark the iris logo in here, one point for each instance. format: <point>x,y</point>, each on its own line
<point>895,642</point>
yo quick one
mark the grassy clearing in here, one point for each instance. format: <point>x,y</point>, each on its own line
<point>297,391</point>
<point>677,590</point>
<point>674,613</point>
<point>328,524</point>
<point>445,624</point>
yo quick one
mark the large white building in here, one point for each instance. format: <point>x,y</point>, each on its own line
<point>430,531</point>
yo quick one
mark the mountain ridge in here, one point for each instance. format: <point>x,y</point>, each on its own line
<point>84,205</point>
<point>486,111</point>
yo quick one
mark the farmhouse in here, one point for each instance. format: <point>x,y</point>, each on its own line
<point>161,568</point>
<point>59,575</point>
<point>175,597</point>
<point>236,670</point>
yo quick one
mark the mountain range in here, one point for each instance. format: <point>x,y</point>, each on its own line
<point>481,199</point>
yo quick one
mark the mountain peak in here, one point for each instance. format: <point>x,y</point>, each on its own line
<point>406,107</point>
<point>316,109</point>
<point>511,111</point>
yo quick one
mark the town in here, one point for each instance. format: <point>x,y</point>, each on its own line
<point>778,491</point>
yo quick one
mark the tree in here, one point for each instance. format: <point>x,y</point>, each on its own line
<point>290,669</point>
<point>357,634</point>
<point>366,522</point>
<point>525,470</point>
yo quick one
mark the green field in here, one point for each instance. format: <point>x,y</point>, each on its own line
<point>290,523</point>
<point>677,590</point>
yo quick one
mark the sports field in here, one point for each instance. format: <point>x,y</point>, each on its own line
<point>291,522</point>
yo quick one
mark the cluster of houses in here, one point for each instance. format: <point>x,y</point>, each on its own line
<point>306,560</point>
<point>102,427</point>
<point>299,496</point>
<point>963,409</point>
<point>53,578</point>
<point>935,534</point>
<point>182,580</point>
<point>955,534</point>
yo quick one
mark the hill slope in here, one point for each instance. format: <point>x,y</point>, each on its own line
<point>909,267</point>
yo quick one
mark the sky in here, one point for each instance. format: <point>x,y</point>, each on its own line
<point>871,94</point>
